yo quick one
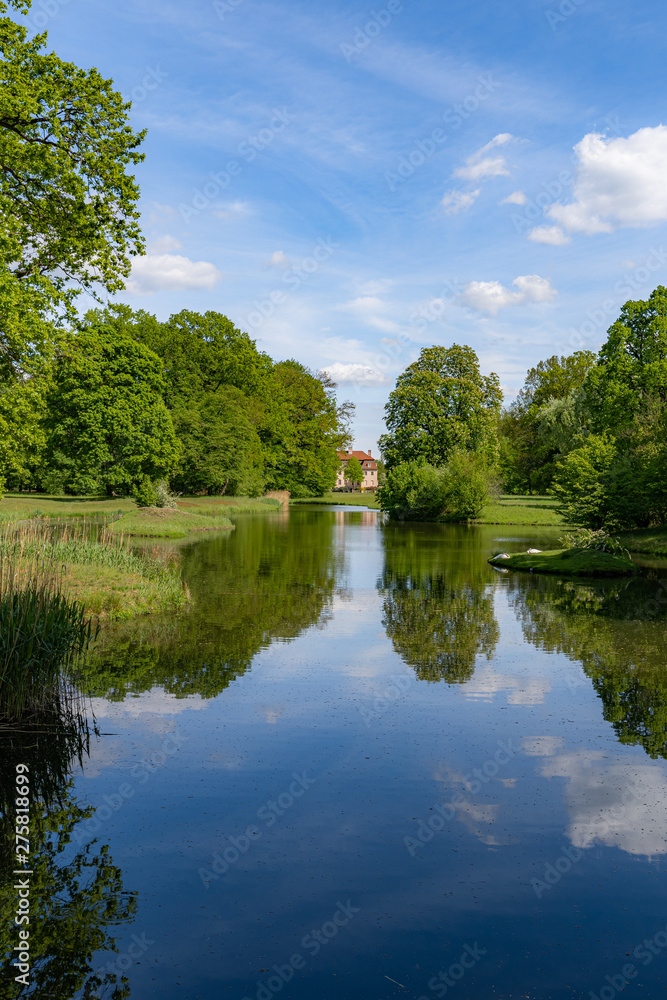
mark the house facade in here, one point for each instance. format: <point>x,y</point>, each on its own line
<point>368,464</point>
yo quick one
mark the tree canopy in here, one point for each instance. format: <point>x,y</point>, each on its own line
<point>442,403</point>
<point>106,422</point>
<point>68,203</point>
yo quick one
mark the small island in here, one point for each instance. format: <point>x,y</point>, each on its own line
<point>567,562</point>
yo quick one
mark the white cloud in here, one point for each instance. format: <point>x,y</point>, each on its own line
<point>232,209</point>
<point>355,374</point>
<point>515,198</point>
<point>456,201</point>
<point>552,235</point>
<point>278,259</point>
<point>490,296</point>
<point>621,804</point>
<point>156,272</point>
<point>479,165</point>
<point>619,182</point>
<point>165,244</point>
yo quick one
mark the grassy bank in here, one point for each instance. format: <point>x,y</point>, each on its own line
<point>162,522</point>
<point>649,541</point>
<point>521,510</point>
<point>191,513</point>
<point>569,562</point>
<point>342,500</point>
<point>505,510</point>
<point>104,575</point>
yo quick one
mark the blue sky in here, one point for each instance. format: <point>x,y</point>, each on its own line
<point>350,183</point>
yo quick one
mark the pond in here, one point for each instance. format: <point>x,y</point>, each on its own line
<point>365,765</point>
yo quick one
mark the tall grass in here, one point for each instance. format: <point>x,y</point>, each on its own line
<point>41,631</point>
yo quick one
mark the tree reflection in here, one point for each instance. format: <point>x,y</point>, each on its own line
<point>438,602</point>
<point>76,897</point>
<point>617,630</point>
<point>269,579</point>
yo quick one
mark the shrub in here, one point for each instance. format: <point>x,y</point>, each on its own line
<point>163,498</point>
<point>456,492</point>
<point>598,541</point>
<point>144,492</point>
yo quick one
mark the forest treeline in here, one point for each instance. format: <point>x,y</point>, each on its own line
<point>122,401</point>
<point>589,428</point>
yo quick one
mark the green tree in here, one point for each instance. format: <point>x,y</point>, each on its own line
<point>107,426</point>
<point>543,423</point>
<point>415,491</point>
<point>441,403</point>
<point>302,430</point>
<point>220,448</point>
<point>631,368</point>
<point>68,206</point>
<point>354,471</point>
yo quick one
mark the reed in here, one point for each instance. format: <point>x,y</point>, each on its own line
<point>41,630</point>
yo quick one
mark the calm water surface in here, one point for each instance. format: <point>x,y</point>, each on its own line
<point>366,765</point>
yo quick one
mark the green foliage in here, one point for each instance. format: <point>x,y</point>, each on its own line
<point>632,365</point>
<point>354,471</point>
<point>301,431</point>
<point>598,541</point>
<point>458,491</point>
<point>442,403</point>
<point>579,485</point>
<point>144,492</point>
<point>67,203</point>
<point>107,425</point>
<point>541,426</point>
<point>221,451</point>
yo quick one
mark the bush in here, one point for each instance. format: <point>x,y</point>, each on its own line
<point>598,541</point>
<point>144,492</point>
<point>456,492</point>
<point>163,498</point>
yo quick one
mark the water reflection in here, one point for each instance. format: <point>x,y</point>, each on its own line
<point>618,632</point>
<point>437,602</point>
<point>263,581</point>
<point>77,898</point>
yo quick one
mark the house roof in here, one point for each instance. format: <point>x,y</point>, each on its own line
<point>361,455</point>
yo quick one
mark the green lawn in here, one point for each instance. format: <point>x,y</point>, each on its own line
<point>21,506</point>
<point>569,562</point>
<point>651,541</point>
<point>538,510</point>
<point>343,500</point>
<point>153,522</point>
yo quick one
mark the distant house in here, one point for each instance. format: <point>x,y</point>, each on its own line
<point>368,464</point>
